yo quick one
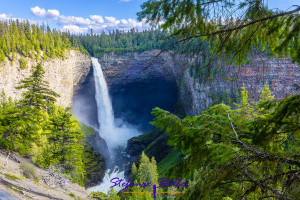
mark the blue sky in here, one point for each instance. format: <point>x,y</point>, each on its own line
<point>81,15</point>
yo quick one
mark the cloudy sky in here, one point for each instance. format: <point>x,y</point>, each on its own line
<point>79,16</point>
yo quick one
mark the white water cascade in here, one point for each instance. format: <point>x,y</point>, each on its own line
<point>114,135</point>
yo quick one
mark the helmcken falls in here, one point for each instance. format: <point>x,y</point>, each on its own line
<point>115,135</point>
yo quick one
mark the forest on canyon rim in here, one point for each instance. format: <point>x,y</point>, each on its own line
<point>237,148</point>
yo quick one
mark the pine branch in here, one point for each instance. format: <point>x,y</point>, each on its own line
<point>223,31</point>
<point>242,26</point>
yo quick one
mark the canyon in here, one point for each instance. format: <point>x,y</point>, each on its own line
<point>195,95</point>
<point>140,81</point>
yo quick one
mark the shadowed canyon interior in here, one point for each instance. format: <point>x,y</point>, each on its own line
<point>132,102</point>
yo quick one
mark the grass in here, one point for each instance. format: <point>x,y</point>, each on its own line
<point>169,161</point>
<point>98,195</point>
<point>151,135</point>
<point>87,130</point>
<point>72,195</point>
<point>11,177</point>
<point>29,171</point>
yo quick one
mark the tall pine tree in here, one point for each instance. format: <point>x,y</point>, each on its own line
<point>37,94</point>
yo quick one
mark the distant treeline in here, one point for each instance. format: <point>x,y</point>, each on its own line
<point>120,41</point>
<point>33,41</point>
<point>42,42</point>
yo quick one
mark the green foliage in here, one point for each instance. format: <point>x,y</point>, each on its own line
<point>111,195</point>
<point>65,143</point>
<point>149,136</point>
<point>244,108</point>
<point>30,40</point>
<point>146,172</point>
<point>72,195</point>
<point>23,63</point>
<point>231,28</point>
<point>168,162</point>
<point>38,94</point>
<point>29,171</point>
<point>120,42</point>
<point>22,122</point>
<point>94,165</point>
<point>266,94</point>
<point>35,127</point>
<point>86,130</point>
<point>11,177</point>
<point>18,125</point>
<point>2,56</point>
<point>249,152</point>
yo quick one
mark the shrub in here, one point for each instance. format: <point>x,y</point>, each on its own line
<point>11,176</point>
<point>23,63</point>
<point>72,195</point>
<point>29,171</point>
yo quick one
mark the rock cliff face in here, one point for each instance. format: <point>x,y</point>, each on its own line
<point>136,89</point>
<point>281,74</point>
<point>124,69</point>
<point>64,76</point>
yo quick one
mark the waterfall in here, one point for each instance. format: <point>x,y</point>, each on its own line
<point>115,134</point>
<point>105,111</point>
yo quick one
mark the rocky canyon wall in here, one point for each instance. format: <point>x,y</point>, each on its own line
<point>64,75</point>
<point>195,95</point>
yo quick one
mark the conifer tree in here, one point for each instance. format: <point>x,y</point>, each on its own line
<point>19,127</point>
<point>233,28</point>
<point>145,173</point>
<point>245,109</point>
<point>37,94</point>
<point>65,139</point>
<point>238,157</point>
<point>265,96</point>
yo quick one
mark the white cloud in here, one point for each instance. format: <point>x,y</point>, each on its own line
<point>112,23</point>
<point>125,0</point>
<point>41,12</point>
<point>97,18</point>
<point>128,24</point>
<point>37,11</point>
<point>74,29</point>
<point>71,20</point>
<point>4,17</point>
<point>52,13</point>
<point>98,28</point>
<point>112,20</point>
<point>95,22</point>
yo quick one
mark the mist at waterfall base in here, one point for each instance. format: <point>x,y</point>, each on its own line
<point>114,132</point>
<point>127,116</point>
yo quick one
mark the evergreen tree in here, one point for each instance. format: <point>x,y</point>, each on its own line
<point>265,96</point>
<point>19,126</point>
<point>37,94</point>
<point>29,40</point>
<point>245,109</point>
<point>230,27</point>
<point>145,173</point>
<point>65,140</point>
<point>235,156</point>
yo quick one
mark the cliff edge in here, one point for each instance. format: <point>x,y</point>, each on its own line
<point>64,75</point>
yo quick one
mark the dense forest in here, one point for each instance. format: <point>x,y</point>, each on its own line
<point>120,41</point>
<point>32,41</point>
